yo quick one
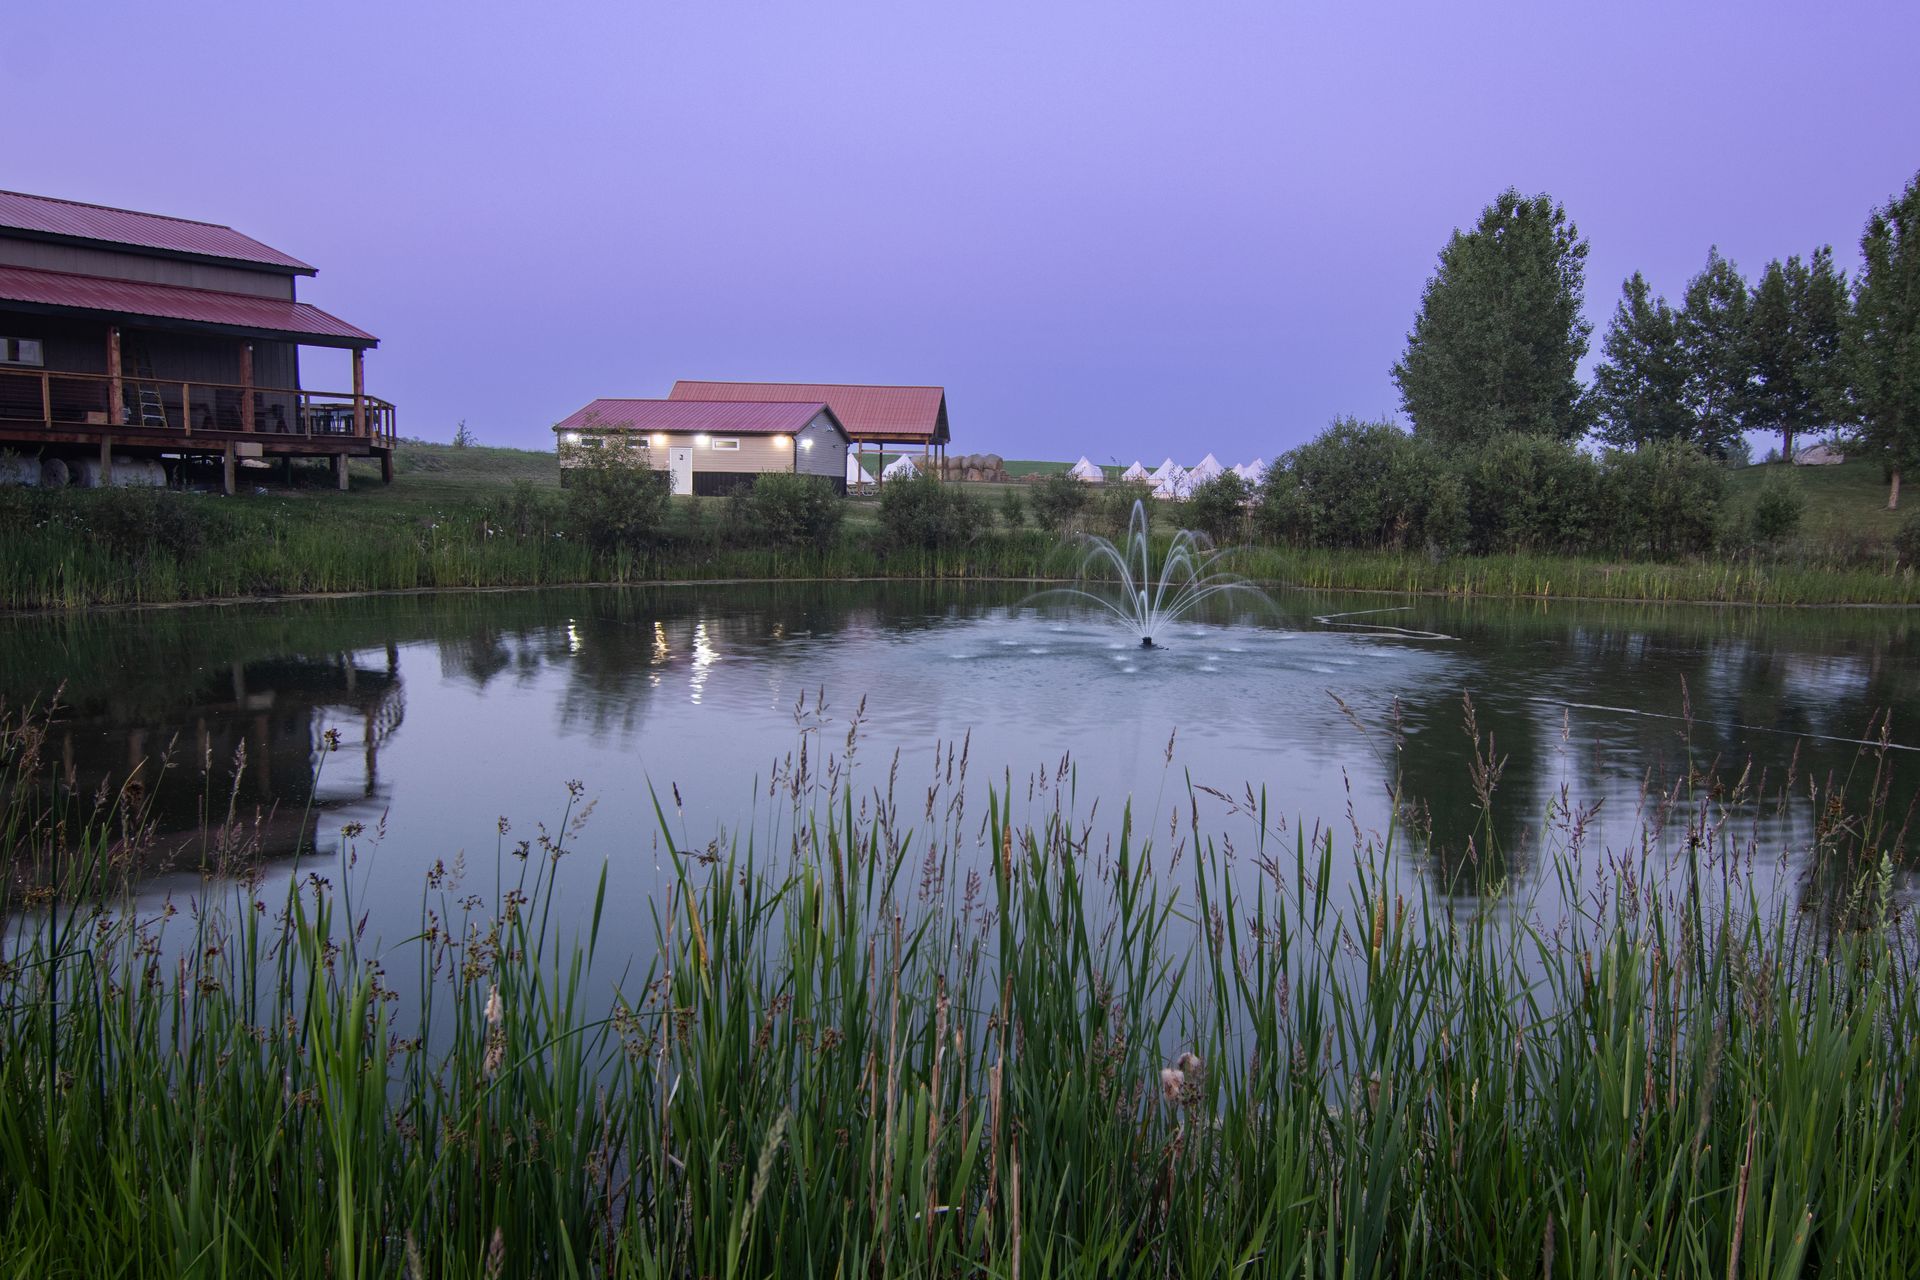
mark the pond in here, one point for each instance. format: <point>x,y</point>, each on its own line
<point>457,714</point>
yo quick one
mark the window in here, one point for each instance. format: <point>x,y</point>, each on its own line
<point>726,445</point>
<point>21,351</point>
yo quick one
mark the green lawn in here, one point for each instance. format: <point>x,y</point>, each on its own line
<point>1844,503</point>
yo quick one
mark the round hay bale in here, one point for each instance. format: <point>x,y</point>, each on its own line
<point>54,473</point>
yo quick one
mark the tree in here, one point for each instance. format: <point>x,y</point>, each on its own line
<point>1499,338</point>
<point>1883,338</point>
<point>1712,330</point>
<point>1640,387</point>
<point>1794,325</point>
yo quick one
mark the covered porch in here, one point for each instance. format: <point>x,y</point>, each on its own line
<point>106,369</point>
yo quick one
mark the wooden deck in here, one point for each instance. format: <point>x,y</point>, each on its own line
<point>74,415</point>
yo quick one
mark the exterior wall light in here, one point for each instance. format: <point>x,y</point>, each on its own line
<point>701,441</point>
<point>806,444</point>
<point>659,438</point>
<point>780,442</point>
<point>571,437</point>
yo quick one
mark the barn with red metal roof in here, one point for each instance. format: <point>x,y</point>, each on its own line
<point>130,337</point>
<point>880,417</point>
<point>709,447</point>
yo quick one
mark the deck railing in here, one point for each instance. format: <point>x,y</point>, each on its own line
<point>184,407</point>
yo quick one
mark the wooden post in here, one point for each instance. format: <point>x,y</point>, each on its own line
<point>116,396</point>
<point>106,460</point>
<point>226,470</point>
<point>46,397</point>
<point>186,408</point>
<point>386,466</point>
<point>340,470</point>
<point>359,399</point>
<point>246,386</point>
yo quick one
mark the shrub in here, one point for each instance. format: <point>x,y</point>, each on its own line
<point>1218,508</point>
<point>614,501</point>
<point>926,513</point>
<point>1906,543</point>
<point>1113,506</point>
<point>1528,493</point>
<point>525,512</point>
<point>1361,484</point>
<point>136,523</point>
<point>1777,509</point>
<point>1013,511</point>
<point>1059,501</point>
<point>789,510</point>
<point>1660,500</point>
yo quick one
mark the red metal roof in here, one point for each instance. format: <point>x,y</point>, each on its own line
<point>868,412</point>
<point>174,302</point>
<point>728,417</point>
<point>48,216</point>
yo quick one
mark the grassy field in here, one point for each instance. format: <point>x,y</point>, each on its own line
<point>448,522</point>
<point>985,1047</point>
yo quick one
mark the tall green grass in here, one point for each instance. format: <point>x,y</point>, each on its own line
<point>75,550</point>
<point>883,1035</point>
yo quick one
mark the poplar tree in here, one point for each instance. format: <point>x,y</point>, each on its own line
<point>1639,388</point>
<point>1794,324</point>
<point>1497,344</point>
<point>1712,331</point>
<point>1883,338</point>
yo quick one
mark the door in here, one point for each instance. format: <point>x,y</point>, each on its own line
<point>680,467</point>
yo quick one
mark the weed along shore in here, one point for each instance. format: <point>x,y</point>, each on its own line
<point>1012,1040</point>
<point>480,517</point>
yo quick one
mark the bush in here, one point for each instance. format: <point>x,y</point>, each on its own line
<point>1059,501</point>
<point>926,513</point>
<point>1777,509</point>
<point>615,501</point>
<point>788,510</point>
<point>134,524</point>
<point>1218,508</point>
<point>525,512</point>
<point>1906,543</point>
<point>1013,511</point>
<point>1660,500</point>
<point>1112,506</point>
<point>1362,484</point>
<point>1529,493</point>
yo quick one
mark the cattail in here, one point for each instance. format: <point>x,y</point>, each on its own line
<point>1173,1084</point>
<point>1379,923</point>
<point>494,1010</point>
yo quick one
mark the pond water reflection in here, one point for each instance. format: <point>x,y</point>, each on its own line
<point>452,712</point>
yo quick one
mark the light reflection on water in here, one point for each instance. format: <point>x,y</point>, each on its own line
<point>455,711</point>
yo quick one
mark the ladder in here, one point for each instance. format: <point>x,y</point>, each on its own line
<point>148,411</point>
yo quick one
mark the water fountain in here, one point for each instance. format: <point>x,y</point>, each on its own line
<point>1142,600</point>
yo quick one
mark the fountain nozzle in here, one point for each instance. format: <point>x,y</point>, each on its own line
<point>1146,642</point>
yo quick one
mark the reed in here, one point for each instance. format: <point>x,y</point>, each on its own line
<point>883,1034</point>
<point>76,550</point>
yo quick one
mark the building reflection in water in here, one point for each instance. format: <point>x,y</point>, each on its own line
<point>246,747</point>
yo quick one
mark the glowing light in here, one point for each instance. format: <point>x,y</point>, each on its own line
<point>659,438</point>
<point>701,441</point>
<point>571,437</point>
<point>806,444</point>
<point>780,441</point>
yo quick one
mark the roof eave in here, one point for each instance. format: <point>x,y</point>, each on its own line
<point>292,268</point>
<point>299,337</point>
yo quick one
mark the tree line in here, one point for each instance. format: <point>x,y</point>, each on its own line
<point>1496,346</point>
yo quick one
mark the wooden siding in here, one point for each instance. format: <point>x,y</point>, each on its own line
<point>113,265</point>
<point>76,345</point>
<point>828,456</point>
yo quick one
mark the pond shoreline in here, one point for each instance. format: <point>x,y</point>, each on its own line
<point>1431,593</point>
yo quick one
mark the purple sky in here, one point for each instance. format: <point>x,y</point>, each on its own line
<point>1113,228</point>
